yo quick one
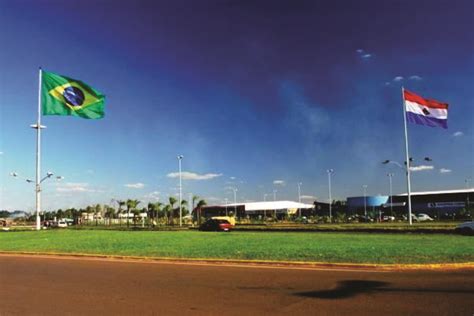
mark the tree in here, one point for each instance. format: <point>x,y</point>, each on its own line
<point>200,204</point>
<point>151,210</point>
<point>195,198</point>
<point>119,211</point>
<point>172,202</point>
<point>109,213</point>
<point>167,210</point>
<point>131,205</point>
<point>158,206</point>
<point>184,209</point>
<point>97,210</point>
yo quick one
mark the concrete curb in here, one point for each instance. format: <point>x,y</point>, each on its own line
<point>254,263</point>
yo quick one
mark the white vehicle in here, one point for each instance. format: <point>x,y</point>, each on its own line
<point>62,224</point>
<point>466,228</point>
<point>423,218</point>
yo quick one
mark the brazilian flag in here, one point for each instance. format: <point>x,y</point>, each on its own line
<point>61,95</point>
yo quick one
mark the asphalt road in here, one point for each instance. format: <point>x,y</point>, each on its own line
<point>51,286</point>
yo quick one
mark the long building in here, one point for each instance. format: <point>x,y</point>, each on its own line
<point>253,209</point>
<point>444,203</point>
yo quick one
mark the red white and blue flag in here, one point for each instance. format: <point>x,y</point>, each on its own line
<point>425,111</point>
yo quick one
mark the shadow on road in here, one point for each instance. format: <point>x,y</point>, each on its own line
<point>347,288</point>
<point>350,288</point>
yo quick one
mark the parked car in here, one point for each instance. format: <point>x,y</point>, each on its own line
<point>388,218</point>
<point>216,225</point>
<point>62,224</point>
<point>466,228</point>
<point>423,218</point>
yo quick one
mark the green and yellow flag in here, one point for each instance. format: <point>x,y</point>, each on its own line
<point>61,95</point>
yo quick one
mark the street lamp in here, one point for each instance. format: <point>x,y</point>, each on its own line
<point>299,196</point>
<point>467,181</point>
<point>330,171</point>
<point>299,191</point>
<point>365,201</point>
<point>407,169</point>
<point>235,201</point>
<point>49,174</point>
<point>226,214</point>
<point>390,175</point>
<point>180,157</point>
<point>274,199</point>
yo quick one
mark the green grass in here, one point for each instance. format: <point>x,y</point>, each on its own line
<point>300,246</point>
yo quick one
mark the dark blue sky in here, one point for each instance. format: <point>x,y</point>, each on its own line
<point>250,92</point>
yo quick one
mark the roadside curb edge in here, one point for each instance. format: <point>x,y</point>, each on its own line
<point>294,264</point>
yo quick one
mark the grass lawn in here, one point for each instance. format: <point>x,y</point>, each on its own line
<point>299,246</point>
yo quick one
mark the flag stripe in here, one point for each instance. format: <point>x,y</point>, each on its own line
<point>426,120</point>
<point>416,108</point>
<point>410,96</point>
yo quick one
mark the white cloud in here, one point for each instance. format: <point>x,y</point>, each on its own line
<point>366,56</point>
<point>137,185</point>
<point>421,168</point>
<point>279,182</point>
<point>308,197</point>
<point>74,187</point>
<point>398,78</point>
<point>155,196</point>
<point>444,170</point>
<point>458,133</point>
<point>194,176</point>
<point>232,178</point>
<point>415,77</point>
<point>387,83</point>
<point>359,51</point>
<point>1,153</point>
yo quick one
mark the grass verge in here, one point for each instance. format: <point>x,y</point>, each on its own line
<point>301,246</point>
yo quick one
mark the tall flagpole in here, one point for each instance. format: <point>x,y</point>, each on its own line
<point>38,157</point>
<point>407,157</point>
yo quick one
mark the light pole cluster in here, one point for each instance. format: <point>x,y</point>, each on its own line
<point>235,201</point>
<point>407,169</point>
<point>364,187</point>
<point>390,175</point>
<point>180,157</point>
<point>38,192</point>
<point>330,171</point>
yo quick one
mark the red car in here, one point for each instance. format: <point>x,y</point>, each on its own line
<point>216,225</point>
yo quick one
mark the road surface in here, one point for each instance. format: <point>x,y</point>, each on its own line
<point>61,286</point>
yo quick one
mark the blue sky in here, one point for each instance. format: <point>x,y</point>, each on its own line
<point>258,95</point>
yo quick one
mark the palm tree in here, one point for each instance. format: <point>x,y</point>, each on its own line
<point>119,211</point>
<point>172,202</point>
<point>158,206</point>
<point>131,206</point>
<point>184,210</point>
<point>195,198</point>
<point>151,210</point>
<point>97,210</point>
<point>167,210</point>
<point>200,204</point>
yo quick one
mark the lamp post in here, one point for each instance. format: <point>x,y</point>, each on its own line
<point>467,181</point>
<point>226,214</point>
<point>180,157</point>
<point>330,171</point>
<point>407,169</point>
<point>235,201</point>
<point>38,191</point>
<point>299,196</point>
<point>390,175</point>
<point>365,201</point>
<point>274,200</point>
<point>299,191</point>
